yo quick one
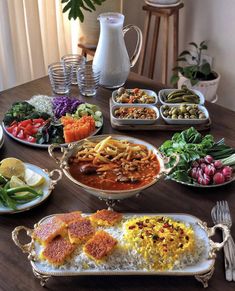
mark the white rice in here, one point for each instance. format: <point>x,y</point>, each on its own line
<point>42,103</point>
<point>122,259</point>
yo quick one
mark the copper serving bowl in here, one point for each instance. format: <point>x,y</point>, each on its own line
<point>73,148</point>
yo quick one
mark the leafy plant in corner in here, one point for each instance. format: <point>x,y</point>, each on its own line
<point>195,69</point>
<point>76,7</point>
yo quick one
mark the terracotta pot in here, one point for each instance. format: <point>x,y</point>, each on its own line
<point>89,30</point>
<point>207,88</point>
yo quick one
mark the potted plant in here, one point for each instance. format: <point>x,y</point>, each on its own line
<point>196,72</point>
<point>87,12</point>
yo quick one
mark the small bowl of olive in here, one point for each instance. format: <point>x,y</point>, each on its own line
<point>184,114</point>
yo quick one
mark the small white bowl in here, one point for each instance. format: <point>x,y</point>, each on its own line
<point>134,121</point>
<point>185,121</point>
<point>162,93</point>
<point>149,92</point>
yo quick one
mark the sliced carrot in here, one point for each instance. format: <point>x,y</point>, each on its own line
<point>76,129</point>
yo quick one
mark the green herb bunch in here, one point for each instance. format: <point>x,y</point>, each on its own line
<point>76,7</point>
<point>195,69</point>
<point>190,145</point>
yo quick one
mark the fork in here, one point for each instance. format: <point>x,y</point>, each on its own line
<point>221,214</point>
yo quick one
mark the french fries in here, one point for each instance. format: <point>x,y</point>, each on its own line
<point>108,150</point>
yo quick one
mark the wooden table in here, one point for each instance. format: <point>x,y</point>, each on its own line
<point>164,197</point>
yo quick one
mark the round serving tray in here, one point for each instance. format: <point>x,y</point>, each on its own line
<point>37,145</point>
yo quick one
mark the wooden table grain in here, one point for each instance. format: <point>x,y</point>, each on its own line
<point>164,197</point>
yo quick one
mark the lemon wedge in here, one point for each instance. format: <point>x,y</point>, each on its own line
<point>16,182</point>
<point>33,179</point>
<point>12,167</point>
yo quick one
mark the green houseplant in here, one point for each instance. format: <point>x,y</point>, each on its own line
<point>87,11</point>
<point>75,8</point>
<point>196,72</point>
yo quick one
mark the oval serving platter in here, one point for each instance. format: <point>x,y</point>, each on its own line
<point>204,186</point>
<point>47,189</point>
<point>205,265</point>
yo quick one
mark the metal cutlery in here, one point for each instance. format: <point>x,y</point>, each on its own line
<point>221,214</point>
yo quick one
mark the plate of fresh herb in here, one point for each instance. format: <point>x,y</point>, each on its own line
<point>204,162</point>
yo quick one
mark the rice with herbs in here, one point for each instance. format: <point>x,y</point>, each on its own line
<point>131,255</point>
<point>42,103</point>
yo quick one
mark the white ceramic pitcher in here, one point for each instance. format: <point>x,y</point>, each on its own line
<point>111,56</point>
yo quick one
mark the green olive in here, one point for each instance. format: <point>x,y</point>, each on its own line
<point>174,116</point>
<point>180,116</point>
<point>174,111</point>
<point>183,109</point>
<point>188,108</point>
<point>192,117</point>
<point>165,112</point>
<point>192,111</point>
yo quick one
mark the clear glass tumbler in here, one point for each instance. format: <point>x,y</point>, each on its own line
<point>88,77</point>
<point>75,60</point>
<point>60,76</point>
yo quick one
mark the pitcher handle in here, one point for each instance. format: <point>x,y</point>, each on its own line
<point>139,42</point>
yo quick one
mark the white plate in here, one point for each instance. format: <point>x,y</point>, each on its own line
<point>185,121</point>
<point>47,188</point>
<point>149,92</point>
<point>134,121</point>
<point>202,266</point>
<point>1,133</point>
<point>164,92</point>
<point>162,5</point>
<point>1,137</point>
<point>37,145</point>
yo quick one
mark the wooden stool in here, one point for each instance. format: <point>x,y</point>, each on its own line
<point>165,14</point>
<point>87,51</point>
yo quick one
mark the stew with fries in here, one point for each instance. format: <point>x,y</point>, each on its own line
<point>114,165</point>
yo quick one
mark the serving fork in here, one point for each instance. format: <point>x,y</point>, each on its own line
<point>220,213</point>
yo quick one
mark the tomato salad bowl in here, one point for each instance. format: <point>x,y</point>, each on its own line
<point>120,188</point>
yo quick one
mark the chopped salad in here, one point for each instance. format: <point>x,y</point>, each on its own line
<point>46,120</point>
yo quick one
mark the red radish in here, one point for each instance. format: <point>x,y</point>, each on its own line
<point>218,164</point>
<point>193,173</point>
<point>209,159</point>
<point>199,173</point>
<point>200,161</point>
<point>203,166</point>
<point>204,179</point>
<point>227,172</point>
<point>218,178</point>
<point>210,170</point>
<point>195,164</point>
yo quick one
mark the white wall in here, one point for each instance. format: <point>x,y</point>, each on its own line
<point>211,20</point>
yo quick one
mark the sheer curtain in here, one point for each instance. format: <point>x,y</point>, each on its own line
<point>33,34</point>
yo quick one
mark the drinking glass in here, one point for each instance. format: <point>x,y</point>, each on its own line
<point>88,77</point>
<point>60,76</point>
<point>75,60</point>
